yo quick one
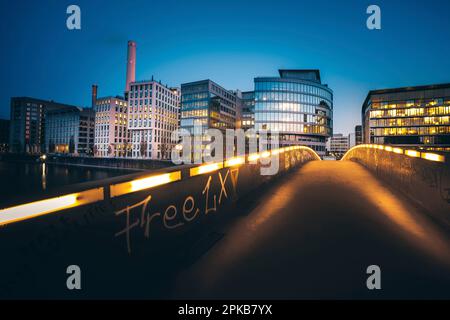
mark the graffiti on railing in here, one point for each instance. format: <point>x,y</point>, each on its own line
<point>140,216</point>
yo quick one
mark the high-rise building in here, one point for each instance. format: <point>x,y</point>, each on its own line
<point>112,137</point>
<point>338,145</point>
<point>411,117</point>
<point>70,130</point>
<point>153,114</point>
<point>27,127</point>
<point>205,104</point>
<point>358,135</point>
<point>4,135</point>
<point>297,105</point>
<point>248,110</point>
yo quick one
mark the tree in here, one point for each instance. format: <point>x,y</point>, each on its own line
<point>110,150</point>
<point>163,149</point>
<point>143,148</point>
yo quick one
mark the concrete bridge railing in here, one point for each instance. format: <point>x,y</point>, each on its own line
<point>143,224</point>
<point>423,176</point>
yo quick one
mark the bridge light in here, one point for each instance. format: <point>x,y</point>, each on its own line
<point>412,153</point>
<point>253,157</point>
<point>398,150</point>
<point>42,207</point>
<point>234,162</point>
<point>145,183</point>
<point>433,157</point>
<point>265,154</point>
<point>387,148</point>
<point>206,168</point>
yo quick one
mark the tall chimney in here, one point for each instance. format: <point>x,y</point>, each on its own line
<point>94,95</point>
<point>131,64</point>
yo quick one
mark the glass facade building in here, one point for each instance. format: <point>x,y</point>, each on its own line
<point>28,121</point>
<point>205,104</point>
<point>248,110</point>
<point>413,116</point>
<point>297,105</point>
<point>70,130</point>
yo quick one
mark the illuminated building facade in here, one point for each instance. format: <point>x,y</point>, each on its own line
<point>153,114</point>
<point>248,110</point>
<point>70,130</point>
<point>297,105</point>
<point>27,126</point>
<point>112,138</point>
<point>338,145</point>
<point>205,104</point>
<point>413,116</point>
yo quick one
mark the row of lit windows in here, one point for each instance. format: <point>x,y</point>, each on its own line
<point>195,113</point>
<point>284,117</point>
<point>398,122</point>
<point>290,97</point>
<point>284,106</point>
<point>292,87</point>
<point>411,131</point>
<point>410,103</point>
<point>411,112</point>
<point>293,127</point>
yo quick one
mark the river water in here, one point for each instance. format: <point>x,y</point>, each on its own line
<point>18,178</point>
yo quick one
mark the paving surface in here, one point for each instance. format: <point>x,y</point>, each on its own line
<point>315,234</point>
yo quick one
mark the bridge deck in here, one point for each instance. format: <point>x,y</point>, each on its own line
<point>313,234</point>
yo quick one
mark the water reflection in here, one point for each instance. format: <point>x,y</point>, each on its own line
<point>44,176</point>
<point>21,179</point>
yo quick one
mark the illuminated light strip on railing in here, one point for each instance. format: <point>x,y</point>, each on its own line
<point>144,183</point>
<point>265,154</point>
<point>433,157</point>
<point>42,207</point>
<point>409,153</point>
<point>206,168</point>
<point>253,157</point>
<point>412,153</point>
<point>233,162</point>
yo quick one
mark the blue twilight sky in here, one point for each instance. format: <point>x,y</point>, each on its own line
<point>229,42</point>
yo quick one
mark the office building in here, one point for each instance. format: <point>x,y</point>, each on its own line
<point>27,127</point>
<point>153,114</point>
<point>70,130</point>
<point>248,110</point>
<point>4,135</point>
<point>358,135</point>
<point>297,105</point>
<point>112,138</point>
<point>338,145</point>
<point>205,104</point>
<point>412,117</point>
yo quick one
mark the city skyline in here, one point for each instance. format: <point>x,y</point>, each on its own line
<point>262,39</point>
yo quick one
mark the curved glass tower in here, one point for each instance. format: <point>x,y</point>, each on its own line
<point>297,105</point>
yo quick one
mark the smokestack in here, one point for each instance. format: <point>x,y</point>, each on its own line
<point>94,95</point>
<point>131,64</point>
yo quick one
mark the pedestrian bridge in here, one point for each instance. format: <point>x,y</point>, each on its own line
<point>223,230</point>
